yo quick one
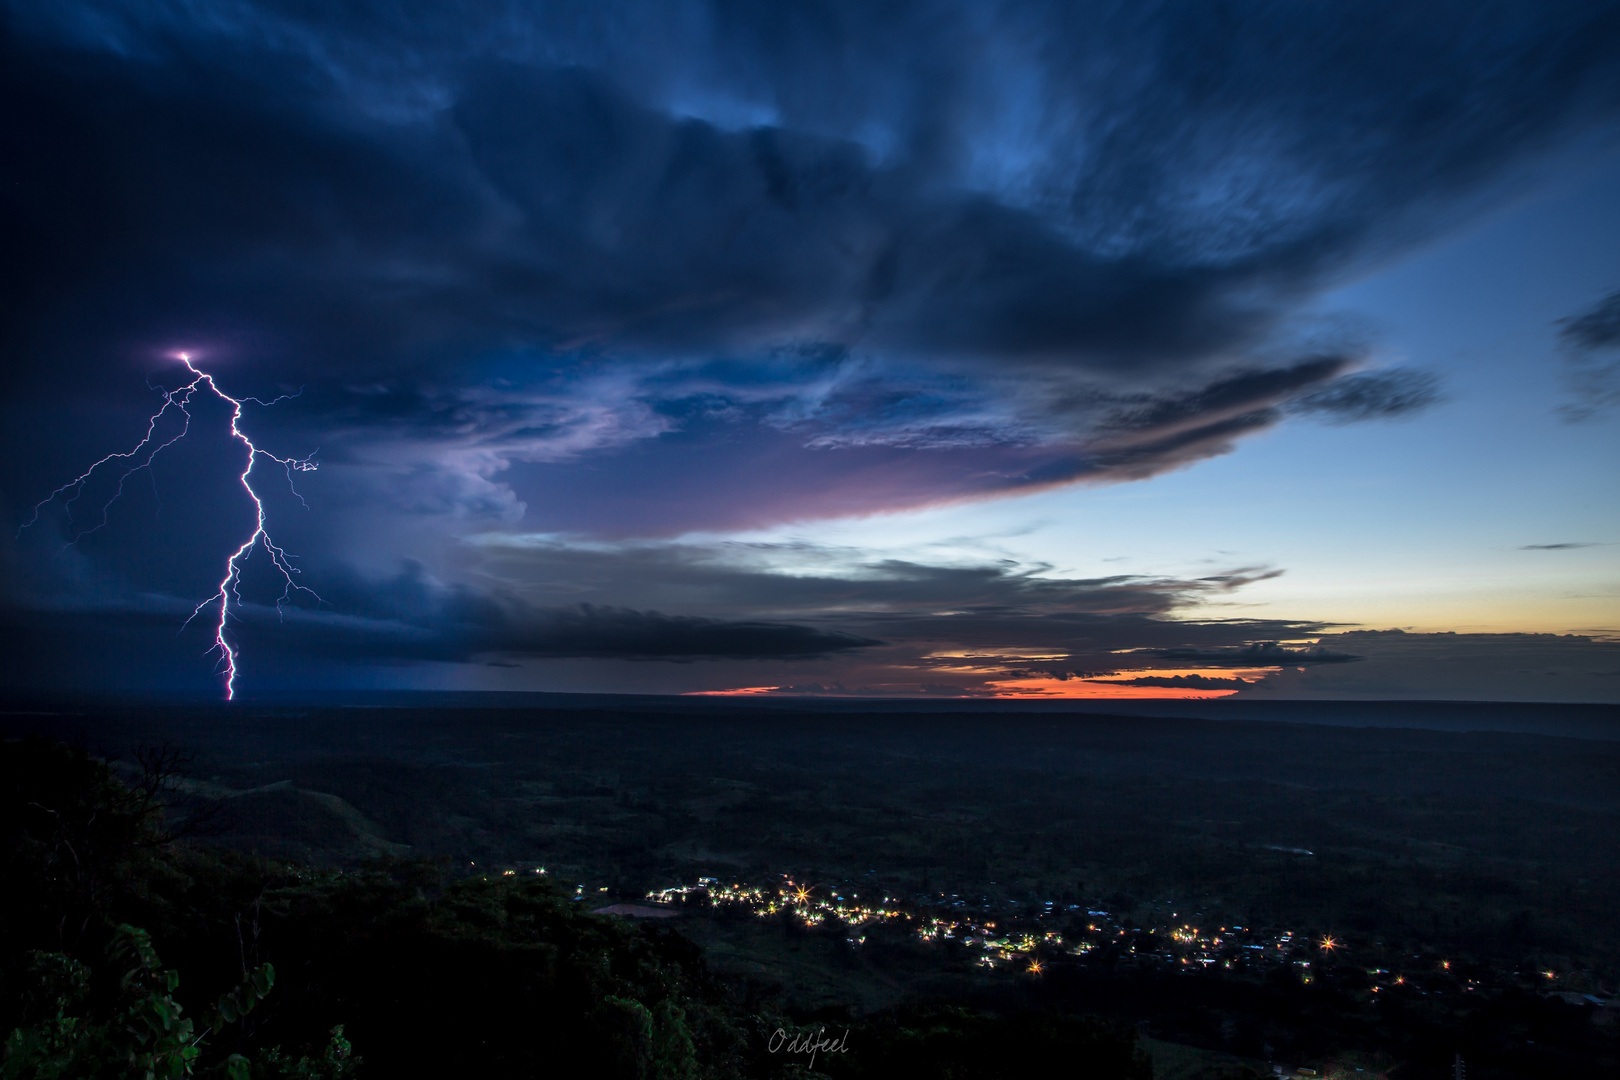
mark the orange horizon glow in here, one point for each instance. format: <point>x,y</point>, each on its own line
<point>1072,689</point>
<point>1024,688</point>
<point>1082,688</point>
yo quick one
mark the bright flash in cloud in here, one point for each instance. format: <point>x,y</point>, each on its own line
<point>141,457</point>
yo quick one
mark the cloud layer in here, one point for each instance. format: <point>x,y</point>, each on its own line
<point>622,270</point>
<point>932,253</point>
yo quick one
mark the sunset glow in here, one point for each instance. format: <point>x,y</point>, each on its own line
<point>1078,690</point>
<point>1013,396</point>
<point>959,538</point>
<point>1117,686</point>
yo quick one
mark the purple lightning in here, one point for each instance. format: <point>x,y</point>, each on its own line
<point>141,457</point>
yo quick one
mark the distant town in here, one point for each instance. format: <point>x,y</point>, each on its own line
<point>1024,938</point>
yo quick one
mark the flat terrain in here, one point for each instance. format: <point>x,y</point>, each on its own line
<point>1489,848</point>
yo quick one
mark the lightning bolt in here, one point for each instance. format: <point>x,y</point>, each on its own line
<point>140,458</point>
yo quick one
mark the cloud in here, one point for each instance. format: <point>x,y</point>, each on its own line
<point>1459,667</point>
<point>1258,654</point>
<point>410,618</point>
<point>927,255</point>
<point>1556,547</point>
<point>415,617</point>
<point>1182,682</point>
<point>724,578</point>
<point>1591,345</point>
<point>777,618</point>
<point>856,618</point>
<point>631,269</point>
<point>965,624</point>
<point>1596,328</point>
<point>1383,395</point>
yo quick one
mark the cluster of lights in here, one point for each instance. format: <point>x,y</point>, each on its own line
<point>807,903</point>
<point>1021,949</point>
<point>998,947</point>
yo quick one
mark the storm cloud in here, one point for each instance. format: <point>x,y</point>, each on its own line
<point>936,254</point>
<point>136,641</point>
<point>609,272</point>
<point>874,618</point>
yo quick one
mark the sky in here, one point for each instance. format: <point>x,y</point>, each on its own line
<point>999,350</point>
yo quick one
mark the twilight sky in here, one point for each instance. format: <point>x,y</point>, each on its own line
<point>994,349</point>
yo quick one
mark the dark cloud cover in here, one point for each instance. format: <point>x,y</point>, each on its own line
<point>1071,237</point>
<point>796,619</point>
<point>756,603</point>
<point>140,640</point>
<point>727,577</point>
<point>412,617</point>
<point>624,269</point>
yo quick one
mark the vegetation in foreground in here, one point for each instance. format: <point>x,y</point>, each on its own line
<point>393,969</point>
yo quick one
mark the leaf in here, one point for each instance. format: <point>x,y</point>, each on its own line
<point>263,979</point>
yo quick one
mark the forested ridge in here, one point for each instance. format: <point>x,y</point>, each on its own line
<point>131,949</point>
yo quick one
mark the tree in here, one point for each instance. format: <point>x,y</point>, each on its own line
<point>139,1029</point>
